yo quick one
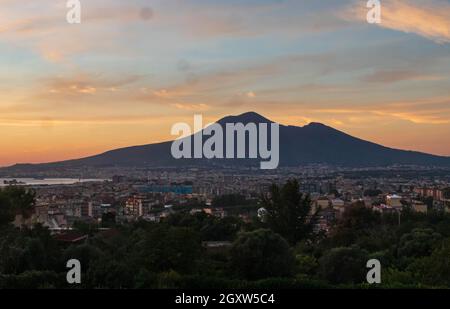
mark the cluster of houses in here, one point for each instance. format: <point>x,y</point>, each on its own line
<point>328,209</point>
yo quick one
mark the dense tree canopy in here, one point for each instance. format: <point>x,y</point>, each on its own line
<point>261,254</point>
<point>418,243</point>
<point>344,265</point>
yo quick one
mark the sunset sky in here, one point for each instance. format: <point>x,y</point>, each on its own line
<point>133,68</point>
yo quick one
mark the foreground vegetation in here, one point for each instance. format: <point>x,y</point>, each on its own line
<point>279,251</point>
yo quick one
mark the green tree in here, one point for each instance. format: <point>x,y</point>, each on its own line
<point>356,221</point>
<point>15,200</point>
<point>287,211</point>
<point>216,229</point>
<point>112,274</point>
<point>32,280</point>
<point>418,243</point>
<point>262,254</point>
<point>433,270</point>
<point>6,213</point>
<point>166,248</point>
<point>394,278</point>
<point>27,249</point>
<point>306,264</point>
<point>210,227</point>
<point>344,265</point>
<point>145,279</point>
<point>108,219</point>
<point>85,253</point>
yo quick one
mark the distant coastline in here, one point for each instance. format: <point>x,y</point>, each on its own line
<point>44,181</point>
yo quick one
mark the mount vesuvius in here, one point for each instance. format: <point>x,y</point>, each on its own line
<point>310,144</point>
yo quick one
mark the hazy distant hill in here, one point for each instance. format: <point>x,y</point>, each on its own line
<point>313,143</point>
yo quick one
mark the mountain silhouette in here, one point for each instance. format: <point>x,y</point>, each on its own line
<point>314,143</point>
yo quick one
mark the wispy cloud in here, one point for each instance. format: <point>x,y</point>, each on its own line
<point>429,19</point>
<point>83,84</point>
<point>390,76</point>
<point>192,107</point>
<point>431,111</point>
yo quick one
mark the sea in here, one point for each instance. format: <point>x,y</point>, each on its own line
<point>45,181</point>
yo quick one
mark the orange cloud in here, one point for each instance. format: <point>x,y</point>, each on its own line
<point>430,19</point>
<point>415,118</point>
<point>86,84</point>
<point>251,94</point>
<point>192,107</point>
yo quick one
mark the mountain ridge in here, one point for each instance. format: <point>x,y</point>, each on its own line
<point>299,145</point>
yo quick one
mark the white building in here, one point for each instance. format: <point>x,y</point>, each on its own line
<point>394,200</point>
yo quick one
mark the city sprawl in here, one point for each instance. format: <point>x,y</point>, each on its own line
<point>152,195</point>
